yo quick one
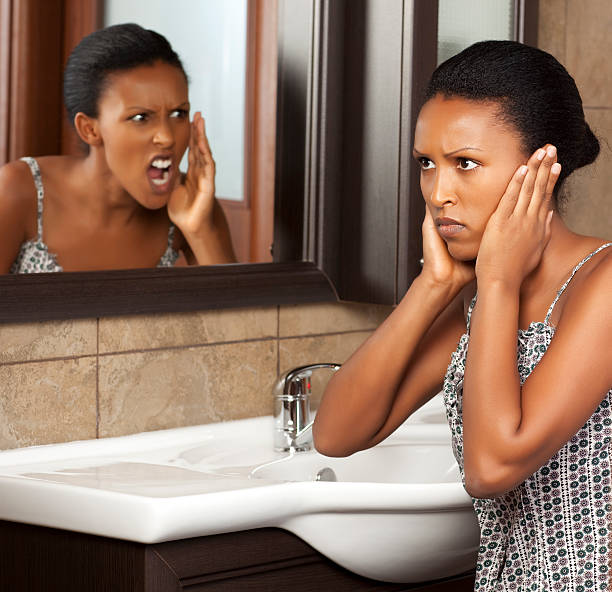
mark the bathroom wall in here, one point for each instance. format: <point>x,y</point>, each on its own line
<point>71,380</point>
<point>577,33</point>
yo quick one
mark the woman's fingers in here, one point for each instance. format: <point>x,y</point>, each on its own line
<point>508,201</point>
<point>555,172</point>
<point>539,199</point>
<point>529,183</point>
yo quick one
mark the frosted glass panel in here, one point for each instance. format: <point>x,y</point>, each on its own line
<point>210,38</point>
<point>462,23</point>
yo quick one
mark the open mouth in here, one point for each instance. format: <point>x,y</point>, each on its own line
<point>160,173</point>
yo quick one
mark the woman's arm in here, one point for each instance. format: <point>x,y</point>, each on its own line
<point>403,363</point>
<point>194,208</point>
<point>17,206</point>
<point>509,431</point>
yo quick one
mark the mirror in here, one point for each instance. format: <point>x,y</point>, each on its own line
<point>96,293</point>
<point>213,41</point>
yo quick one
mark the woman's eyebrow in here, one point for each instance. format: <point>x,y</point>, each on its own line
<point>418,153</point>
<point>461,149</point>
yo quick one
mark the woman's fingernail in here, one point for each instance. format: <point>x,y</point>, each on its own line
<point>540,154</point>
<point>551,151</point>
<point>522,170</point>
<point>555,168</point>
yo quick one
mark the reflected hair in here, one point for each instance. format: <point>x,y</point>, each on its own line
<point>112,49</point>
<point>535,93</point>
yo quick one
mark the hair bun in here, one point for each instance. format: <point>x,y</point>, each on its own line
<point>591,146</point>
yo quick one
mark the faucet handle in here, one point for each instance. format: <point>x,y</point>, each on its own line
<point>292,408</point>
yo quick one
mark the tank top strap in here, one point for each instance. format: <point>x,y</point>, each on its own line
<point>471,310</point>
<point>40,192</point>
<point>171,230</point>
<point>566,284</point>
<point>170,255</point>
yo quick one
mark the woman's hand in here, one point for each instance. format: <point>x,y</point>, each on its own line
<point>438,264</point>
<point>519,229</point>
<point>192,202</point>
<point>194,209</point>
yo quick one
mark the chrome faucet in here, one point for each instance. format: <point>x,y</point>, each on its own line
<point>292,416</point>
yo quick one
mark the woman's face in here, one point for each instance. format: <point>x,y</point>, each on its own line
<point>143,117</point>
<point>467,157</point>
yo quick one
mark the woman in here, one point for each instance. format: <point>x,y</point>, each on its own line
<point>531,427</point>
<point>118,205</point>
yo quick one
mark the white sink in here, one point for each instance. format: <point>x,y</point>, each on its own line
<point>397,512</point>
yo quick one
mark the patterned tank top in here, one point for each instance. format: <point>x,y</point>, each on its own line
<point>552,532</point>
<point>34,255</point>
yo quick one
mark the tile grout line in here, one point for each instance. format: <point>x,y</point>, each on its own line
<point>186,346</point>
<point>40,360</point>
<point>97,355</point>
<point>278,341</point>
<point>97,378</point>
<point>308,335</point>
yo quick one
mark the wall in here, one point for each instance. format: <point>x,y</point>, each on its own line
<point>71,380</point>
<point>577,33</point>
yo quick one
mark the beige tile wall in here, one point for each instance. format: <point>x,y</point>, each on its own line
<point>577,33</point>
<point>70,380</point>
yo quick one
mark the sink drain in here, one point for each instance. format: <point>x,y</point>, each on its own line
<point>326,474</point>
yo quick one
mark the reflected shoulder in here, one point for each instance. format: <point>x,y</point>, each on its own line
<point>16,185</point>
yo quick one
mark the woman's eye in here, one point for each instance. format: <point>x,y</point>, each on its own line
<point>139,117</point>
<point>465,164</point>
<point>180,113</point>
<point>425,163</point>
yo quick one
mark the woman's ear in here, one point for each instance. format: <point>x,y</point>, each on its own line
<point>87,129</point>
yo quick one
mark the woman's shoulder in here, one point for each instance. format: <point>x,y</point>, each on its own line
<point>17,187</point>
<point>591,288</point>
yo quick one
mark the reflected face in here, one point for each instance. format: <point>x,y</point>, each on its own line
<point>467,158</point>
<point>143,117</point>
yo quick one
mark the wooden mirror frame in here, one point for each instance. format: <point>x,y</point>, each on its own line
<point>310,225</point>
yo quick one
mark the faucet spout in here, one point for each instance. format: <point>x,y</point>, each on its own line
<point>293,422</point>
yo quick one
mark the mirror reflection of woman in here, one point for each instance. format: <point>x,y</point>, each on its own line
<point>529,402</point>
<point>123,204</point>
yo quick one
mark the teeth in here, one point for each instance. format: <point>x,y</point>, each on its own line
<point>163,180</point>
<point>160,163</point>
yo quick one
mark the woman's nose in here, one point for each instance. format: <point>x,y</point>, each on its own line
<point>164,135</point>
<point>443,191</point>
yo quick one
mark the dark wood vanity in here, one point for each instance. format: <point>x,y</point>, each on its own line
<point>35,558</point>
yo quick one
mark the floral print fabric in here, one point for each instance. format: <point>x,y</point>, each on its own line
<point>552,532</point>
<point>34,256</point>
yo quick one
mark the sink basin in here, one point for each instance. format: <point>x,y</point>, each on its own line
<point>397,512</point>
<point>419,461</point>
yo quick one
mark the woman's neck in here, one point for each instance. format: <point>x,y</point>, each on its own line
<point>559,257</point>
<point>99,190</point>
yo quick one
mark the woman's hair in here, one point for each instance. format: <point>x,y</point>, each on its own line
<point>113,49</point>
<point>536,95</point>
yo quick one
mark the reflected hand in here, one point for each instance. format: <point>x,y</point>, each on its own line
<point>519,230</point>
<point>438,264</point>
<point>191,204</point>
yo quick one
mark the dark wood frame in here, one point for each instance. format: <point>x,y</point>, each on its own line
<point>314,225</point>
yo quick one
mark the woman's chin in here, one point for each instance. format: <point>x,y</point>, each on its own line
<point>462,252</point>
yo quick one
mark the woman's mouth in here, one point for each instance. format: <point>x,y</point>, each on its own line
<point>160,173</point>
<point>448,228</point>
